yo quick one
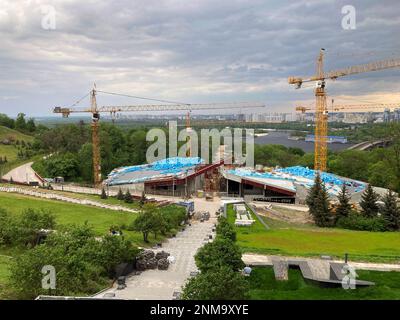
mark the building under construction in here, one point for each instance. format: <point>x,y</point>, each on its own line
<point>187,177</point>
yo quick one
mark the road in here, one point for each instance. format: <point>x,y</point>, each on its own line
<point>23,174</point>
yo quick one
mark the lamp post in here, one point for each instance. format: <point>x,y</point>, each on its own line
<point>173,186</point>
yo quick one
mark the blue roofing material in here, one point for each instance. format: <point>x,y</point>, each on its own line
<point>296,172</point>
<point>255,174</point>
<point>157,169</point>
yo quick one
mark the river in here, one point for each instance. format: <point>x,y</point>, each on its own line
<point>281,137</point>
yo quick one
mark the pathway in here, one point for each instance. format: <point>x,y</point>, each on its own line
<point>23,174</point>
<point>319,267</point>
<point>161,284</point>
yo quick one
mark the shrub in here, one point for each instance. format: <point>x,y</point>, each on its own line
<point>128,197</point>
<point>225,229</point>
<point>219,284</point>
<point>103,194</point>
<point>220,252</point>
<point>356,221</point>
<point>120,195</point>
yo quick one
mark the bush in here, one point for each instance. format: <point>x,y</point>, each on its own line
<point>356,221</point>
<point>82,263</point>
<point>103,194</point>
<point>220,252</point>
<point>225,229</point>
<point>128,197</point>
<point>219,284</point>
<point>120,195</point>
<point>24,229</point>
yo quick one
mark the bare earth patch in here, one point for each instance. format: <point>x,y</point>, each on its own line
<point>284,213</point>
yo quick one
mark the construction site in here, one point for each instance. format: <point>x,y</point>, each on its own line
<point>187,177</point>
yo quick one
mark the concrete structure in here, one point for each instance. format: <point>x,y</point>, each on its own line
<point>169,180</point>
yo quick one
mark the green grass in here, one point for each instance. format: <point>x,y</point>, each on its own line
<point>69,213</point>
<point>294,239</point>
<point>11,134</point>
<point>110,200</point>
<point>4,271</point>
<point>263,286</point>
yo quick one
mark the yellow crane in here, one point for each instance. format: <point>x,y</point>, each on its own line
<point>95,110</point>
<point>321,112</point>
<point>339,107</point>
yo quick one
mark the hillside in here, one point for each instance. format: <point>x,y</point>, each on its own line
<point>11,134</point>
<point>10,150</point>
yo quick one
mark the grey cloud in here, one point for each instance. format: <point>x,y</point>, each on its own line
<point>195,51</point>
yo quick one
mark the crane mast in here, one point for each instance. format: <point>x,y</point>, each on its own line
<point>321,112</point>
<point>321,116</point>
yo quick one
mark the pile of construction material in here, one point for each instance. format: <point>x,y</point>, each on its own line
<point>147,259</point>
<point>201,216</point>
<point>243,217</point>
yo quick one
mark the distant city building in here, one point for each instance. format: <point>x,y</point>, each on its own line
<point>396,115</point>
<point>386,115</point>
<point>272,117</point>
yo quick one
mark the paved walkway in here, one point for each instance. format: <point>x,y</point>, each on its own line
<point>319,267</point>
<point>161,284</point>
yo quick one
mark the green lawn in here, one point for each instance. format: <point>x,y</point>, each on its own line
<point>4,272</point>
<point>7,133</point>
<point>294,239</point>
<point>68,213</point>
<point>263,286</point>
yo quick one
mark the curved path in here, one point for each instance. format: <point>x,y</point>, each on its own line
<point>23,174</point>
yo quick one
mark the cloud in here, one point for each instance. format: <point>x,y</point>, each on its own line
<point>192,51</point>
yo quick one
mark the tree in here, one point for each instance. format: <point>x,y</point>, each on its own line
<point>344,207</point>
<point>114,250</point>
<point>145,223</point>
<point>220,252</point>
<point>369,206</point>
<point>30,125</point>
<point>391,212</point>
<point>20,123</point>
<point>120,195</point>
<point>128,197</point>
<point>221,283</point>
<point>225,229</point>
<point>318,203</point>
<point>103,194</point>
<point>81,262</point>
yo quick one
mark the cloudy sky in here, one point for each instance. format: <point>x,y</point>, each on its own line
<point>195,51</point>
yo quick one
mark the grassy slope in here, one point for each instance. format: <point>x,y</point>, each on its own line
<point>69,213</point>
<point>66,213</point>
<point>6,133</point>
<point>264,286</point>
<point>292,239</point>
<point>10,151</point>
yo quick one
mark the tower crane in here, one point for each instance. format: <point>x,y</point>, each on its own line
<point>340,107</point>
<point>95,110</point>
<point>321,112</point>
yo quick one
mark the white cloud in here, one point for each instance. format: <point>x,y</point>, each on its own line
<point>194,51</point>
